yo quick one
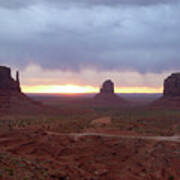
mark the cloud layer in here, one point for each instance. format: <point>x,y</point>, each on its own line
<point>107,35</point>
<point>16,4</point>
<point>34,75</point>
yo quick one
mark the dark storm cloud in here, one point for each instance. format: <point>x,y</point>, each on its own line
<point>14,4</point>
<point>141,38</point>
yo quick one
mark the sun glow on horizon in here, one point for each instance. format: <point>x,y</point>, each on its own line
<point>75,89</point>
<point>138,90</point>
<point>61,89</point>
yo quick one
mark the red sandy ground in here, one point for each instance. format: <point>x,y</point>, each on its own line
<point>36,154</point>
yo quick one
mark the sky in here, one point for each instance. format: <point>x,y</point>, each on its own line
<point>73,46</point>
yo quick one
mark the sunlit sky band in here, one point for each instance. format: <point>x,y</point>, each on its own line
<point>70,89</point>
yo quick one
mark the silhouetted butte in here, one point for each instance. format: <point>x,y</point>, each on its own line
<point>107,95</point>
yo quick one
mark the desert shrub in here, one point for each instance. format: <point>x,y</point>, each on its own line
<point>171,178</point>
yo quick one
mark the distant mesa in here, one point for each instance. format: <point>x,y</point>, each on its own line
<point>107,95</point>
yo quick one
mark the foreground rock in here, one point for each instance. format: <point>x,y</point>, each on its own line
<point>107,95</point>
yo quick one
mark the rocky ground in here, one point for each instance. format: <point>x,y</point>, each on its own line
<point>35,153</point>
<point>78,141</point>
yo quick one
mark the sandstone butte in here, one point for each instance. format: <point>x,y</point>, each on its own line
<point>12,100</point>
<point>172,85</point>
<point>106,96</point>
<point>171,92</point>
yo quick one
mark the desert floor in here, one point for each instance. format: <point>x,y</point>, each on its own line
<point>85,142</point>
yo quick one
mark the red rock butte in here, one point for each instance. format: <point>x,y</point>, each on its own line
<point>172,85</point>
<point>171,94</point>
<point>107,87</point>
<point>12,100</point>
<point>107,95</point>
<point>7,84</point>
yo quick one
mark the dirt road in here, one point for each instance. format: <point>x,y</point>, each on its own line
<point>155,138</point>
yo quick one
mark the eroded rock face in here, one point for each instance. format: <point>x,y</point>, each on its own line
<point>107,87</point>
<point>13,101</point>
<point>7,83</point>
<point>107,95</point>
<point>172,85</point>
<point>9,88</point>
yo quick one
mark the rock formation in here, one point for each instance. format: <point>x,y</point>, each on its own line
<point>171,94</point>
<point>12,100</point>
<point>107,87</point>
<point>172,85</point>
<point>7,83</point>
<point>107,95</point>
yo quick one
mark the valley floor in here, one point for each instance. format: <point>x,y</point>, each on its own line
<point>95,154</point>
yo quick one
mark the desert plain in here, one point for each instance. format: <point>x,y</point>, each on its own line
<point>71,138</point>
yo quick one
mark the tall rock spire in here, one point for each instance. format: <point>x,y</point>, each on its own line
<point>17,77</point>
